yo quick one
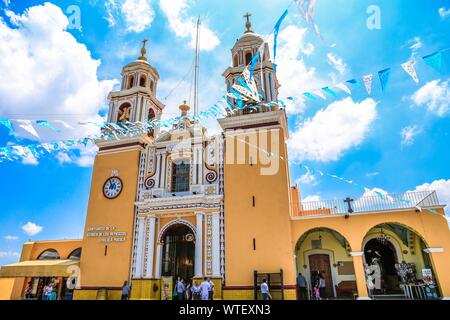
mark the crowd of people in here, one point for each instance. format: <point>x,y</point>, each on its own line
<point>49,291</point>
<point>204,290</point>
<point>192,290</point>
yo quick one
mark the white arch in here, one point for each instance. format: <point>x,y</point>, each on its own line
<point>175,222</point>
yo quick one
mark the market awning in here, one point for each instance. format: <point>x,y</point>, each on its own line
<point>39,268</point>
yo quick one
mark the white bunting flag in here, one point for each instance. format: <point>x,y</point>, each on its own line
<point>26,125</point>
<point>65,124</point>
<point>19,150</point>
<point>320,94</point>
<point>48,147</point>
<point>408,66</point>
<point>368,83</point>
<point>343,87</point>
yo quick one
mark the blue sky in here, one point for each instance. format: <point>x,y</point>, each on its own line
<point>395,141</point>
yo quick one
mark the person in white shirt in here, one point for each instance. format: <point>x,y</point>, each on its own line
<point>204,289</point>
<point>265,290</point>
<point>211,289</point>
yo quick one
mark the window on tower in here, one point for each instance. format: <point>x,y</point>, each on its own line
<point>180,177</point>
<point>130,82</point>
<point>143,81</point>
<point>151,116</point>
<point>248,58</point>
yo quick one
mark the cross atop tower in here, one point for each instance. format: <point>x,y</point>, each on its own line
<point>143,50</point>
<point>248,24</point>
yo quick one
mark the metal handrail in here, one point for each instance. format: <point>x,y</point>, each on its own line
<point>378,202</point>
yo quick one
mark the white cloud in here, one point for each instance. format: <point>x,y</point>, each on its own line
<point>313,198</point>
<point>435,96</point>
<point>9,254</point>
<point>408,134</point>
<point>442,188</point>
<point>31,228</point>
<point>185,26</point>
<point>372,174</point>
<point>55,75</point>
<point>63,157</point>
<point>342,125</point>
<point>138,14</point>
<point>293,74</point>
<point>6,2</point>
<point>30,159</point>
<point>11,238</point>
<point>443,12</point>
<point>337,63</point>
<point>414,44</point>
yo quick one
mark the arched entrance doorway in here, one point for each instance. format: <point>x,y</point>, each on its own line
<point>178,252</point>
<point>326,252</point>
<point>381,255</point>
<point>394,254</point>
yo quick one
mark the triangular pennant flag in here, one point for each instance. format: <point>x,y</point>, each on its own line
<point>343,87</point>
<point>408,66</point>
<point>367,79</point>
<point>353,81</point>
<point>65,124</point>
<point>384,78</point>
<point>45,123</point>
<point>26,125</point>
<point>310,96</point>
<point>275,32</point>
<point>252,66</point>
<point>329,91</point>
<point>434,60</point>
<point>320,94</point>
<point>8,125</point>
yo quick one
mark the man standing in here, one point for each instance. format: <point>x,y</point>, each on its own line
<point>180,289</point>
<point>301,286</point>
<point>204,289</point>
<point>265,290</point>
<point>125,291</point>
<point>211,289</point>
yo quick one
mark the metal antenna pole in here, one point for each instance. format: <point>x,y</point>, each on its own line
<point>197,53</point>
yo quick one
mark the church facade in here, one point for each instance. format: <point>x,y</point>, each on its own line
<point>182,203</point>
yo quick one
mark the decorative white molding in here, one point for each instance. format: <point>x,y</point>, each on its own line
<point>151,247</point>
<point>198,245</point>
<point>433,250</point>
<point>174,222</point>
<point>363,298</point>
<point>216,244</point>
<point>357,253</point>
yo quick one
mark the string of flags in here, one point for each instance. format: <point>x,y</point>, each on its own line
<point>433,60</point>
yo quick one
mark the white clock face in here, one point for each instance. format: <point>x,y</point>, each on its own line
<point>112,188</point>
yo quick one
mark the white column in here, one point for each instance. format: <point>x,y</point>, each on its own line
<point>216,244</point>
<point>151,246</point>
<point>140,248</point>
<point>158,261</point>
<point>199,245</point>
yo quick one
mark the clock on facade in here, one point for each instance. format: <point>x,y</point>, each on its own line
<point>112,187</point>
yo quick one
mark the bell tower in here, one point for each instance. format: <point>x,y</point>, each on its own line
<point>246,47</point>
<point>136,100</point>
<point>118,172</point>
<point>257,207</point>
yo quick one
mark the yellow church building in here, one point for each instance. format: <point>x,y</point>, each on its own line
<point>182,203</point>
